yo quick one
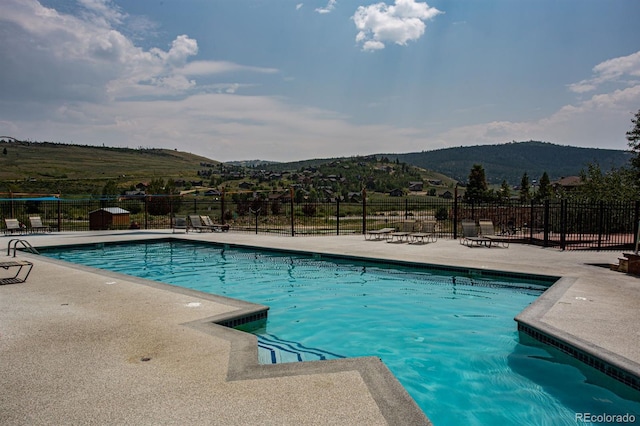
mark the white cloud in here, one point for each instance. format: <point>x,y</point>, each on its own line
<point>402,22</point>
<point>624,69</point>
<point>299,6</point>
<point>331,5</point>
<point>66,58</point>
<point>220,67</point>
<point>599,122</point>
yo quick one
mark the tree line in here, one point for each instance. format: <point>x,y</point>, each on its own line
<point>617,184</point>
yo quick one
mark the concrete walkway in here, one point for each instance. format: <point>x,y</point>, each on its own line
<point>80,346</point>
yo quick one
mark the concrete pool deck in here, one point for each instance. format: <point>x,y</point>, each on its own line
<point>80,346</point>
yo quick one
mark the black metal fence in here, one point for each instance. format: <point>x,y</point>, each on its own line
<point>560,223</point>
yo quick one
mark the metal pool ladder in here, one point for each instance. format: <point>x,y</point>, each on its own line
<point>24,243</point>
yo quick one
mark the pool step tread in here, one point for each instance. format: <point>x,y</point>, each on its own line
<point>273,350</point>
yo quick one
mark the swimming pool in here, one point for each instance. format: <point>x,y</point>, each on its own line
<point>449,336</point>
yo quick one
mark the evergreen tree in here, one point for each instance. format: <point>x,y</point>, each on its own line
<point>477,189</point>
<point>505,191</point>
<point>525,188</point>
<point>545,191</point>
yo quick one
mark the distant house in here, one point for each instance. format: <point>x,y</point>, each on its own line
<point>396,192</point>
<point>568,183</point>
<point>447,195</point>
<point>246,185</point>
<point>354,197</point>
<point>212,193</point>
<point>415,186</point>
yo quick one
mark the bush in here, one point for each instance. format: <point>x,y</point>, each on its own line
<point>442,213</point>
<point>309,209</point>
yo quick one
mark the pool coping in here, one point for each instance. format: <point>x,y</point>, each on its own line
<point>530,322</point>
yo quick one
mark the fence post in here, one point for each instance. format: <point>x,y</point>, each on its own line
<point>546,223</point>
<point>636,226</point>
<point>293,230</point>
<point>364,211</point>
<point>59,215</point>
<point>337,216</point>
<point>406,208</point>
<point>146,211</point>
<point>563,224</point>
<point>455,213</point>
<point>600,224</point>
<point>222,206</point>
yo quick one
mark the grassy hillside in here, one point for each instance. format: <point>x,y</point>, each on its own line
<point>509,161</point>
<point>49,167</point>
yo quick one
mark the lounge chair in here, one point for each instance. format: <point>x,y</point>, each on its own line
<point>407,229</point>
<point>36,224</point>
<point>379,234</point>
<point>487,230</point>
<point>180,223</point>
<point>196,223</point>
<point>13,227</point>
<point>470,235</point>
<point>427,233</point>
<point>206,221</point>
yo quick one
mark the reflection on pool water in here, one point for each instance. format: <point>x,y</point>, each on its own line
<point>448,336</point>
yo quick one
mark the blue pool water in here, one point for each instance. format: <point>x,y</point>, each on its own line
<point>448,336</point>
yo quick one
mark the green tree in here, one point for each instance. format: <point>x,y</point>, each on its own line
<point>110,189</point>
<point>597,185</point>
<point>545,191</point>
<point>633,136</point>
<point>525,188</point>
<point>477,189</point>
<point>505,191</point>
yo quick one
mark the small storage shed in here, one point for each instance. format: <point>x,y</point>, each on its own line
<point>108,218</point>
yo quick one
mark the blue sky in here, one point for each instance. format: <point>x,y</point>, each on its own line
<point>288,80</point>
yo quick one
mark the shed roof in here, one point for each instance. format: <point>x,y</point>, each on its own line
<point>112,210</point>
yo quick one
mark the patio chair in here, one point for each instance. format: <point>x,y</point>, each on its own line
<point>37,225</point>
<point>426,234</point>
<point>206,221</point>
<point>13,226</point>
<point>196,223</point>
<point>470,235</point>
<point>180,223</point>
<point>378,234</point>
<point>407,229</point>
<point>487,230</point>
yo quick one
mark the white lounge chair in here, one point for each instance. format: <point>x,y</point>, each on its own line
<point>378,234</point>
<point>487,230</point>
<point>427,233</point>
<point>206,221</point>
<point>13,226</point>
<point>470,236</point>
<point>196,223</point>
<point>37,225</point>
<point>180,223</point>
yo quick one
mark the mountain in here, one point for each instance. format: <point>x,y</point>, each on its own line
<point>511,160</point>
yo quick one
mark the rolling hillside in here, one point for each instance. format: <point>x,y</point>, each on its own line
<point>43,167</point>
<point>509,161</point>
<point>52,167</point>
